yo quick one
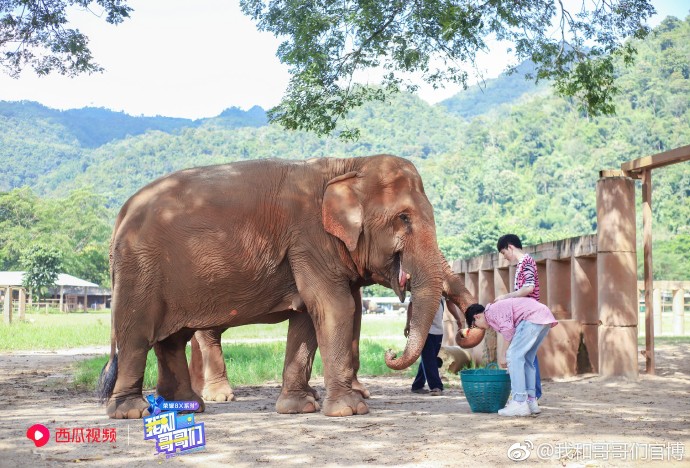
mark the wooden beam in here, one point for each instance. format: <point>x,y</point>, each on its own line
<point>637,166</point>
<point>648,271</point>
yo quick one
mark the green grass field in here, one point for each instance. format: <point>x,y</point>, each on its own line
<point>253,353</point>
<point>248,362</point>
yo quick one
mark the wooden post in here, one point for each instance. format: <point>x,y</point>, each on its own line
<point>648,270</point>
<point>679,312</point>
<point>62,295</point>
<point>22,304</point>
<point>7,309</point>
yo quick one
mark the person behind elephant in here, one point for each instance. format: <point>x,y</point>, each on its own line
<point>428,368</point>
<point>526,280</point>
<point>524,323</point>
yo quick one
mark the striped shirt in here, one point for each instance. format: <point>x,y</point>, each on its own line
<point>505,315</point>
<point>526,274</point>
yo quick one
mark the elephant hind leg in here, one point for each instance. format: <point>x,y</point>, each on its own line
<point>174,382</point>
<point>297,396</point>
<point>127,401</point>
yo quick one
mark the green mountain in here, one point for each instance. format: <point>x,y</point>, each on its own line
<point>500,161</point>
<point>489,95</point>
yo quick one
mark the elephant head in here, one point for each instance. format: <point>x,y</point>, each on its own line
<point>382,215</point>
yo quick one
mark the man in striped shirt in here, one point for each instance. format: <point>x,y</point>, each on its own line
<point>526,279</point>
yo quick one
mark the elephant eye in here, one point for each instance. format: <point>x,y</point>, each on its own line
<point>405,218</point>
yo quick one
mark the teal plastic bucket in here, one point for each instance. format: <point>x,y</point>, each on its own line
<point>487,390</point>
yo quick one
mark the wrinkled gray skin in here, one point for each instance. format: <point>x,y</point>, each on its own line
<point>222,246</point>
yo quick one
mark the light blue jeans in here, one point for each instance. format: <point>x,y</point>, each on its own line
<point>520,356</point>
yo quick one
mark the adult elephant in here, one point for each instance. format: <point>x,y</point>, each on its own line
<point>209,374</point>
<point>228,245</point>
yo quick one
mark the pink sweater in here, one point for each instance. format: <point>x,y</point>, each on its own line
<point>504,316</point>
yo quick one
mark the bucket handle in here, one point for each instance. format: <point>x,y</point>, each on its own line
<point>492,366</point>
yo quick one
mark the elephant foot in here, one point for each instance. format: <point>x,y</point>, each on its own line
<point>346,405</point>
<point>127,407</point>
<point>218,392</point>
<point>295,403</point>
<point>358,386</point>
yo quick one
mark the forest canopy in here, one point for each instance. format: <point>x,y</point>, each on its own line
<point>522,160</point>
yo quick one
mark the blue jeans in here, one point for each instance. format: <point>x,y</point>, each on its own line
<point>537,386</point>
<point>428,366</point>
<point>521,355</point>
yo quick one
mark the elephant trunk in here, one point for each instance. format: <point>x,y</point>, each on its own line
<point>426,295</point>
<point>454,289</point>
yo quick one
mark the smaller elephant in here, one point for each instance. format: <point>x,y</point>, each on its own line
<point>209,374</point>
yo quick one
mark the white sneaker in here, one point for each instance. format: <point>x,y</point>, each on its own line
<point>533,406</point>
<point>514,408</point>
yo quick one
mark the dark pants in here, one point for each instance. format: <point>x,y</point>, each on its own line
<point>428,367</point>
<point>537,387</point>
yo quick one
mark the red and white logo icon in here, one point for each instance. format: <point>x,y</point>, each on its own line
<point>39,434</point>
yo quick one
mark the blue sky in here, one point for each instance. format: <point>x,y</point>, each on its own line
<point>193,59</point>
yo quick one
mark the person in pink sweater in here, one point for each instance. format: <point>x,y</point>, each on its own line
<point>524,323</point>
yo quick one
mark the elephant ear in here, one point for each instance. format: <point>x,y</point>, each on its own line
<point>342,211</point>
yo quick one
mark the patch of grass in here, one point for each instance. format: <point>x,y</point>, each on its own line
<point>252,363</point>
<point>55,331</point>
<point>665,340</point>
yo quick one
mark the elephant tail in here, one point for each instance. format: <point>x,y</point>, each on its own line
<point>106,381</point>
<point>108,376</point>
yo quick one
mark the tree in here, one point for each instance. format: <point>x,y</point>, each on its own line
<point>42,265</point>
<point>327,42</point>
<point>33,32</point>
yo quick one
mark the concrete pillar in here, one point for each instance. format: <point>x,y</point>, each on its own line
<point>7,307</point>
<point>472,283</point>
<point>511,278</point>
<point>543,283</point>
<point>501,282</point>
<point>583,290</point>
<point>484,296</point>
<point>558,295</point>
<point>679,312</point>
<point>617,277</point>
<point>656,299</point>
<point>485,293</point>
<point>22,304</point>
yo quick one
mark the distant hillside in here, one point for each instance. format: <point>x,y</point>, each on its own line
<point>235,117</point>
<point>95,126</point>
<point>506,89</point>
<point>526,162</point>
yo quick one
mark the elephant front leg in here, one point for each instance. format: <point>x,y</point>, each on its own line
<point>335,339</point>
<point>207,367</point>
<point>356,330</point>
<point>297,396</point>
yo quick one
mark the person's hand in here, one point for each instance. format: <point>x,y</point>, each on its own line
<point>503,363</point>
<point>500,298</point>
<point>406,331</point>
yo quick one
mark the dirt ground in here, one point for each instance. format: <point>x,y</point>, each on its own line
<point>615,423</point>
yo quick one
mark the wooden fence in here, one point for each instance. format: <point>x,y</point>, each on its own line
<point>671,307</point>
